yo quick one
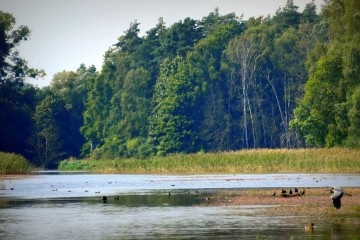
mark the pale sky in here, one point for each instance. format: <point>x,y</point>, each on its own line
<point>66,33</point>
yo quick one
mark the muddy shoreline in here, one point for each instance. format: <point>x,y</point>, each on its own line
<point>316,202</point>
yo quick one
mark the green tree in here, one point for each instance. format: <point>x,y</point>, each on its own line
<point>309,14</point>
<point>180,38</point>
<point>97,107</point>
<point>136,103</point>
<point>47,142</point>
<point>215,128</point>
<point>330,93</point>
<point>353,139</point>
<point>17,98</point>
<point>172,124</point>
<point>58,117</point>
<point>287,16</point>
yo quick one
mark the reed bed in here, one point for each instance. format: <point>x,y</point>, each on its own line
<point>11,163</point>
<point>327,160</point>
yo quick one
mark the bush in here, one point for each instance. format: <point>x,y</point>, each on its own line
<point>11,163</point>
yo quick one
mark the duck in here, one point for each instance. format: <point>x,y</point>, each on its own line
<point>309,227</point>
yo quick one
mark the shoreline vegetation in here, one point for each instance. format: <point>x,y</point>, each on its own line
<point>255,161</point>
<point>11,163</point>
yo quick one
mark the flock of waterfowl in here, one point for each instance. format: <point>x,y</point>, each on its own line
<point>291,193</point>
<point>337,193</point>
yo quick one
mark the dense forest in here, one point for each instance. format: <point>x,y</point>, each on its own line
<point>220,83</point>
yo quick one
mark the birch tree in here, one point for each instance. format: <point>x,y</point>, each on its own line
<point>243,55</point>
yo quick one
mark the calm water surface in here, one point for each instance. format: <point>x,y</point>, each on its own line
<point>63,206</point>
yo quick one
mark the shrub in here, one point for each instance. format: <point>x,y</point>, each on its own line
<point>11,163</point>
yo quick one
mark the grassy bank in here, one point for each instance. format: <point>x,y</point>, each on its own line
<point>334,160</point>
<point>11,163</point>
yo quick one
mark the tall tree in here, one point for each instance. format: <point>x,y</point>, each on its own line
<point>324,117</point>
<point>215,128</point>
<point>172,125</point>
<point>17,98</point>
<point>244,55</point>
<point>180,38</point>
<point>98,107</point>
<point>288,15</point>
<point>47,142</point>
<point>58,117</point>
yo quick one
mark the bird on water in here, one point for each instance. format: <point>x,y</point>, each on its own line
<point>337,193</point>
<point>309,227</point>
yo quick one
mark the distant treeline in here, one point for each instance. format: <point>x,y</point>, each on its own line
<point>216,84</point>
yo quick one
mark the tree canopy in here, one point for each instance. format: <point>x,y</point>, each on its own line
<point>215,84</point>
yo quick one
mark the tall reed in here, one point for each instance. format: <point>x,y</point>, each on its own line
<point>329,160</point>
<point>11,163</point>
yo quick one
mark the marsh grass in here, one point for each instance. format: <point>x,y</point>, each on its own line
<point>11,163</point>
<point>333,160</point>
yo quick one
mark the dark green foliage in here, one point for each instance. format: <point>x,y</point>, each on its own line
<point>58,117</point>
<point>17,99</point>
<point>200,98</point>
<point>173,120</point>
<point>179,38</point>
<point>215,84</point>
<point>327,114</point>
<point>288,16</point>
<point>309,14</point>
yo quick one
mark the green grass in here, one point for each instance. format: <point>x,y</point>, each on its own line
<point>11,163</point>
<point>329,160</point>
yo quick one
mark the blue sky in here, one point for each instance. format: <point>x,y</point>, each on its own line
<point>66,33</point>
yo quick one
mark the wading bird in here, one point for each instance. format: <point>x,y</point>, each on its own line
<point>337,193</point>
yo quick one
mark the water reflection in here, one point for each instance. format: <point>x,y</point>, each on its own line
<point>140,207</point>
<point>153,217</point>
<point>85,185</point>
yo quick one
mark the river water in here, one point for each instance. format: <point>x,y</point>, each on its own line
<point>69,206</point>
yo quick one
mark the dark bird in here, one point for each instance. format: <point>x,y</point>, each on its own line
<point>274,193</point>
<point>303,192</point>
<point>104,199</point>
<point>290,192</point>
<point>309,227</point>
<point>337,193</point>
<point>296,190</point>
<point>284,193</point>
